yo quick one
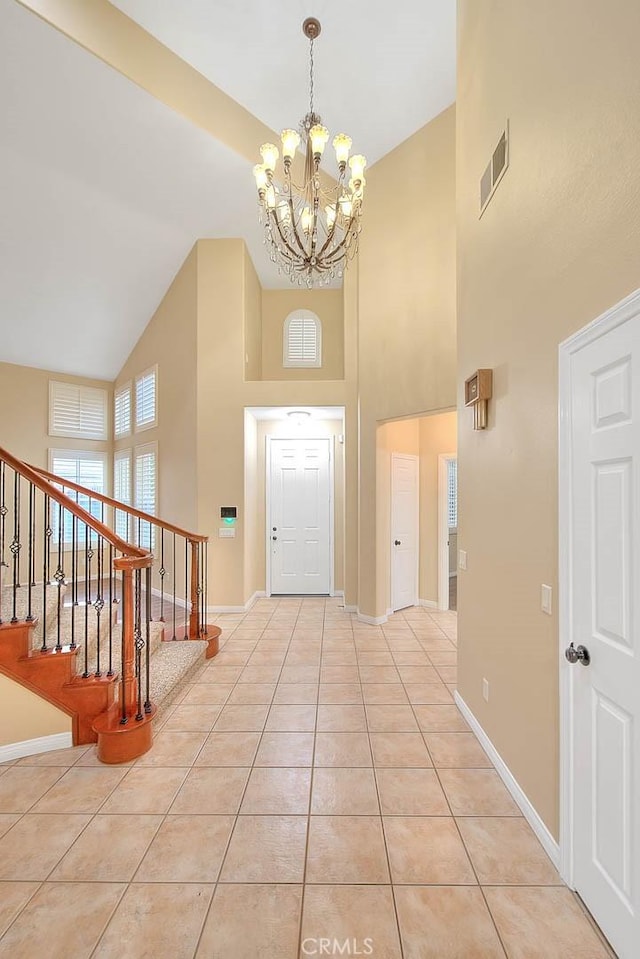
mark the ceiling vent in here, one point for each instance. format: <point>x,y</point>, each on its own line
<point>495,170</point>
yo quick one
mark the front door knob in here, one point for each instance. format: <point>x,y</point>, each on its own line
<point>274,537</point>
<point>397,542</point>
<point>577,655</point>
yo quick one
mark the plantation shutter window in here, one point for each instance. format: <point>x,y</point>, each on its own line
<point>78,411</point>
<point>146,490</point>
<point>86,469</point>
<point>302,340</point>
<point>122,490</point>
<point>122,411</point>
<point>146,399</point>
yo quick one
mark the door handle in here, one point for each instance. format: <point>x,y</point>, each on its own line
<point>397,542</point>
<point>577,655</point>
<point>274,537</point>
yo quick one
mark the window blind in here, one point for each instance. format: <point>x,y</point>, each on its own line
<point>86,469</point>
<point>302,340</point>
<point>122,411</point>
<point>146,490</point>
<point>122,490</point>
<point>452,483</point>
<point>79,411</point>
<point>146,399</point>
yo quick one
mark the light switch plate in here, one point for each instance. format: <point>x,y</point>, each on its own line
<point>546,596</point>
<point>462,559</point>
<point>226,532</point>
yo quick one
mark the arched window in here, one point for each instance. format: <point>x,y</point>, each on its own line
<point>302,340</point>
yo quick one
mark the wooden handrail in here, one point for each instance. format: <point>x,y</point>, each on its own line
<point>42,481</point>
<point>124,507</point>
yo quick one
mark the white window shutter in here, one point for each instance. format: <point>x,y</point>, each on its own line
<point>122,411</point>
<point>146,399</point>
<point>79,411</point>
<point>302,340</point>
<point>122,490</point>
<point>146,490</point>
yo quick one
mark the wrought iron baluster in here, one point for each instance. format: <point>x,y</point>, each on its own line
<point>31,557</point>
<point>162,575</point>
<point>59,578</point>
<point>139,641</point>
<point>111,601</point>
<point>174,587</point>
<point>3,514</point>
<point>206,587</point>
<point>16,545</point>
<point>74,578</point>
<point>99,602</point>
<point>87,563</point>
<point>45,549</point>
<point>186,589</point>
<point>126,579</point>
<point>147,701</point>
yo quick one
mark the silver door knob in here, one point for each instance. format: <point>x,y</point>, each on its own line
<point>578,654</point>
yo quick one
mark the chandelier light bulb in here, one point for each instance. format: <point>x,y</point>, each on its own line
<point>269,153</point>
<point>330,213</point>
<point>357,163</point>
<point>342,145</point>
<point>319,136</point>
<point>290,142</point>
<point>260,174</point>
<point>346,206</point>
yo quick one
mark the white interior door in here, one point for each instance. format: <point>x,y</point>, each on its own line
<point>404,530</point>
<point>604,579</point>
<point>300,516</point>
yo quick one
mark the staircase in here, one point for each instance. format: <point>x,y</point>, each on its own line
<point>76,603</point>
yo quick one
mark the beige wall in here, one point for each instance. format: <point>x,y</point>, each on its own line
<point>557,245</point>
<point>253,334</point>
<point>24,414</point>
<point>318,428</point>
<point>276,307</point>
<point>169,341</point>
<point>24,716</point>
<point>406,321</point>
<point>438,434</point>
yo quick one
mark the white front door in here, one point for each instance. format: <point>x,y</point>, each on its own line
<point>300,516</point>
<point>404,530</point>
<point>603,383</point>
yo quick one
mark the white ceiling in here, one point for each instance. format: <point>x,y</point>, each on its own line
<point>104,189</point>
<point>382,70</point>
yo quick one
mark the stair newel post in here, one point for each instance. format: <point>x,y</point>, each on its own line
<point>194,620</point>
<point>127,678</point>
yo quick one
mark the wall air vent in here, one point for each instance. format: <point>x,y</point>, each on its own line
<point>496,169</point>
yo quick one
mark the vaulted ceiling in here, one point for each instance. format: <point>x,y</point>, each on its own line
<point>104,187</point>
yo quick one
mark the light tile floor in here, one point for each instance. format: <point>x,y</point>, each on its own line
<point>314,792</point>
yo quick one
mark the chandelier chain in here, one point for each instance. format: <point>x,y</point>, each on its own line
<point>311,75</point>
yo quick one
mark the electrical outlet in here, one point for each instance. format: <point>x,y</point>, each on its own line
<point>462,559</point>
<point>485,690</point>
<point>546,594</point>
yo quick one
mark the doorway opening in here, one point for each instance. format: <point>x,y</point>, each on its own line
<point>294,500</point>
<point>448,531</point>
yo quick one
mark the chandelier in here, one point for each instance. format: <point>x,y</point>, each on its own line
<point>311,231</point>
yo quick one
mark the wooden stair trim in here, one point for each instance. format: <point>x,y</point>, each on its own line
<point>119,742</point>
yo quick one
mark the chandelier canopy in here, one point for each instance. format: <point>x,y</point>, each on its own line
<point>311,232</point>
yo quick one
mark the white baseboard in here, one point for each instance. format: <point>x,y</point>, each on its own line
<point>168,597</point>
<point>547,841</point>
<point>371,620</point>
<point>259,594</point>
<point>29,747</point>
<point>337,593</point>
<point>428,603</point>
<point>350,609</point>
